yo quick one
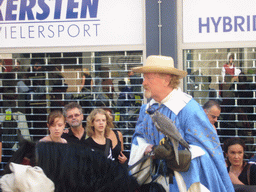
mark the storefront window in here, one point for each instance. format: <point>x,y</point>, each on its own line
<point>34,84</point>
<point>210,77</point>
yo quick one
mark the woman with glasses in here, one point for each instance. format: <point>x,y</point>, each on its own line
<point>75,133</point>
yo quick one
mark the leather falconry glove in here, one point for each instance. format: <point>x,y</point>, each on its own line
<point>166,151</point>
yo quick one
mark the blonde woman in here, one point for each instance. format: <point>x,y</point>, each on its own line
<point>98,128</point>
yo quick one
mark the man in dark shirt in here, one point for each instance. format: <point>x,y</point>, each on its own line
<point>74,117</point>
<point>212,109</point>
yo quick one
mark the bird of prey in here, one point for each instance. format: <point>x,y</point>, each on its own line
<point>168,128</point>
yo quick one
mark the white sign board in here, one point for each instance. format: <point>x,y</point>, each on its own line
<point>219,20</point>
<point>53,23</point>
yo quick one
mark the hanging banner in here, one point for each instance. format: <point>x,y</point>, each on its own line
<point>219,21</point>
<point>55,23</point>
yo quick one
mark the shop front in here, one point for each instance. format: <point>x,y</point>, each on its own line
<point>214,35</point>
<point>56,52</point>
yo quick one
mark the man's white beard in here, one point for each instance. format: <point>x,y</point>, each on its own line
<point>147,94</point>
<point>75,124</point>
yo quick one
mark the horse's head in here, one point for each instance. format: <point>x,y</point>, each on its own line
<point>24,155</point>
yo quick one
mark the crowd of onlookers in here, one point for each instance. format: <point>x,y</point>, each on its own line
<point>241,172</point>
<point>67,127</point>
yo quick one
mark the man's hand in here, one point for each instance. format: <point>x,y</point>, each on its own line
<point>165,151</point>
<point>148,149</point>
<point>161,152</point>
<point>65,130</point>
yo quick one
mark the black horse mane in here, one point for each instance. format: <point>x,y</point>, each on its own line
<point>76,168</point>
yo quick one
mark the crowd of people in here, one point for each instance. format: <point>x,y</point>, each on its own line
<point>97,135</point>
<point>157,156</point>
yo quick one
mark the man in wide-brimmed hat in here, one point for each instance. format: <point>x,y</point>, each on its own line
<point>205,170</point>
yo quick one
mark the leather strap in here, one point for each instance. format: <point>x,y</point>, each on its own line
<point>139,161</point>
<point>248,173</point>
<point>107,147</point>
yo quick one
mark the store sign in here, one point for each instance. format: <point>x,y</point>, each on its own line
<point>219,21</point>
<point>54,23</point>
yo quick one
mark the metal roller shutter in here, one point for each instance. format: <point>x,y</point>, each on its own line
<point>34,84</point>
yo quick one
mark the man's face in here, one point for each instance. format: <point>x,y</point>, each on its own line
<point>213,113</point>
<point>74,118</point>
<point>153,85</point>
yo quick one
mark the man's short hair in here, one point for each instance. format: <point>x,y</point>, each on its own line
<point>209,104</point>
<point>70,106</point>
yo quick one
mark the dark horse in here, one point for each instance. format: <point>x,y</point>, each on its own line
<point>76,168</point>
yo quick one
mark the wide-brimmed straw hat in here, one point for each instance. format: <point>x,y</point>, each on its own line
<point>160,64</point>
